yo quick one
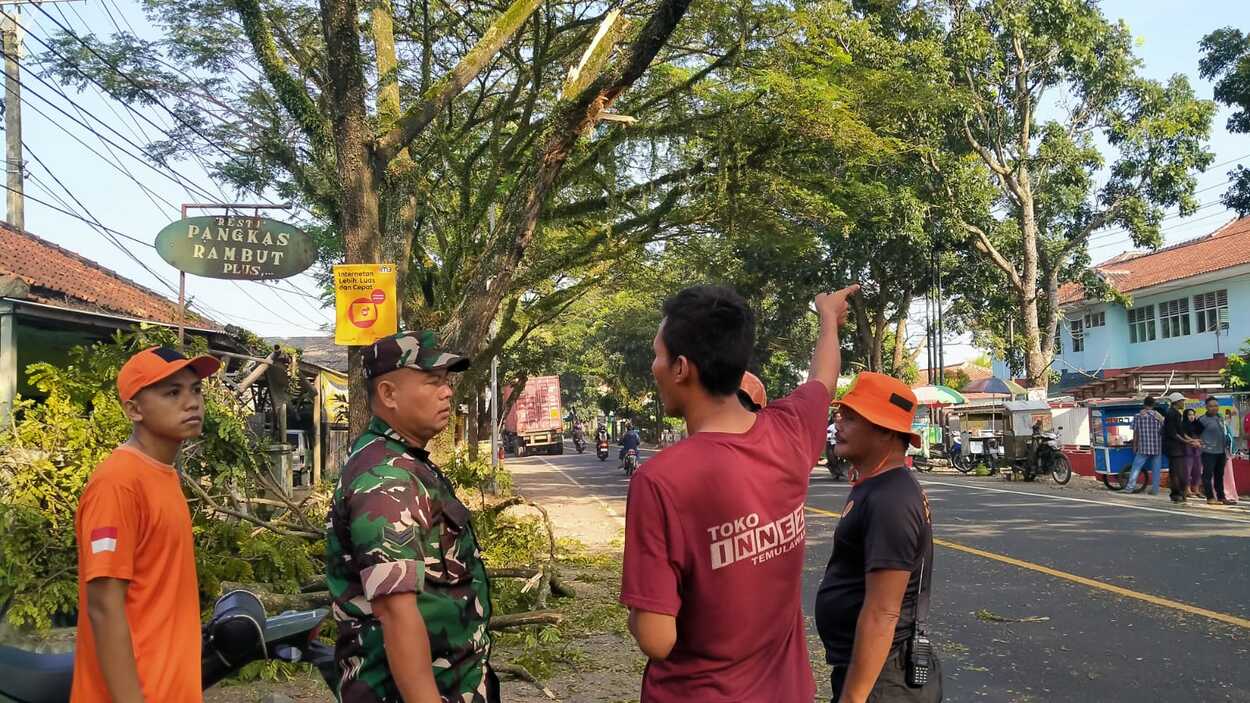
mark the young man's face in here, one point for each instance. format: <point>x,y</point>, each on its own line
<point>172,408</point>
<point>1213,407</point>
<point>667,374</point>
<point>419,401</point>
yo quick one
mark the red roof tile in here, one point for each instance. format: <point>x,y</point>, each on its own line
<point>60,277</point>
<point>1226,247</point>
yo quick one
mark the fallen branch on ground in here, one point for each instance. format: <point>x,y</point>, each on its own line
<point>534,617</point>
<point>522,673</point>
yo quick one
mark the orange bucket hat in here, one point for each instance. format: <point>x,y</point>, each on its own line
<point>753,387</point>
<point>884,401</point>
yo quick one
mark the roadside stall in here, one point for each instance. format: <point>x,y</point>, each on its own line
<point>980,427</point>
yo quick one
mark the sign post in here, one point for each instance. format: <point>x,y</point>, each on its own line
<point>230,246</point>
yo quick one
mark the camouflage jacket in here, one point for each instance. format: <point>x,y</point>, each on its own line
<point>396,526</point>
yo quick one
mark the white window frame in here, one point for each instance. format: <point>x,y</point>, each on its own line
<point>1076,328</point>
<point>1210,311</point>
<point>1145,317</point>
<point>1095,319</point>
<point>1174,318</point>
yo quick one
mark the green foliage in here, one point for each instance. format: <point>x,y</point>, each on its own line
<point>1226,59</point>
<point>50,450</point>
<point>1236,374</point>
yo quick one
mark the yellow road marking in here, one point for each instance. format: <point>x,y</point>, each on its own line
<point>1091,583</point>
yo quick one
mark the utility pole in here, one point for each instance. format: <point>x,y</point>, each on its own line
<point>941,326</point>
<point>14,163</point>
<point>494,385</point>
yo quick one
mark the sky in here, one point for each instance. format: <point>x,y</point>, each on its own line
<point>1168,35</point>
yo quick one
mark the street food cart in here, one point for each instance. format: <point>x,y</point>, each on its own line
<point>1111,437</point>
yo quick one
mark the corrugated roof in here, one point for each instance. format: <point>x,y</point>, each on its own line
<point>57,276</point>
<point>1224,248</point>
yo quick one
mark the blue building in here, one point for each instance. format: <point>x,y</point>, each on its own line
<point>1189,309</point>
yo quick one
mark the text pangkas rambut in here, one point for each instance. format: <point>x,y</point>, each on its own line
<point>216,245</point>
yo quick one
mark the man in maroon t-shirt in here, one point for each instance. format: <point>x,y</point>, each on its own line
<point>714,527</point>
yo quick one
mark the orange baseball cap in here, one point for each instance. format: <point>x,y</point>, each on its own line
<point>884,401</point>
<point>754,389</point>
<point>157,364</point>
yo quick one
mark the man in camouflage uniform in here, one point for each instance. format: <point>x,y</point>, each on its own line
<point>403,564</point>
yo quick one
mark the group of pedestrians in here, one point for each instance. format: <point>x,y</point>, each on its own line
<point>1199,450</point>
<point>714,541</point>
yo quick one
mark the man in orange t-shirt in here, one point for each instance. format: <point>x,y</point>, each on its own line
<point>139,608</point>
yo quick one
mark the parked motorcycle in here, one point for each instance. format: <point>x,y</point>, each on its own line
<point>1049,459</point>
<point>238,634</point>
<point>981,451</point>
<point>631,462</point>
<point>601,449</point>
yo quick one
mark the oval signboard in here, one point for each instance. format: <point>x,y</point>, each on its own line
<point>230,246</point>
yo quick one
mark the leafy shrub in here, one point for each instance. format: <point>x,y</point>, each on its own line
<point>50,449</point>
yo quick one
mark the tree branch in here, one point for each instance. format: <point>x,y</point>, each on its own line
<point>216,507</point>
<point>291,93</point>
<point>419,116</point>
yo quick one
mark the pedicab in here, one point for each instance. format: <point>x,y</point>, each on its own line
<point>1031,444</point>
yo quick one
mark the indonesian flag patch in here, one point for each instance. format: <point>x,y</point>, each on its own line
<point>103,539</point>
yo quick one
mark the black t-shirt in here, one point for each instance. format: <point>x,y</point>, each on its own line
<point>885,525</point>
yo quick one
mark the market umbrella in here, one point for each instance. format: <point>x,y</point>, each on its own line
<point>996,386</point>
<point>938,395</point>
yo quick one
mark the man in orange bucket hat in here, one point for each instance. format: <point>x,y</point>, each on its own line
<point>873,600</point>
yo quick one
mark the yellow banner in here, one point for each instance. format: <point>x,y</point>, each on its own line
<point>365,304</point>
<point>334,397</point>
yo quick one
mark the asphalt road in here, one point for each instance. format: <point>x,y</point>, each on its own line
<point>1065,561</point>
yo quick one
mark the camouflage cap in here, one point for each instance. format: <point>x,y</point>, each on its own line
<point>417,350</point>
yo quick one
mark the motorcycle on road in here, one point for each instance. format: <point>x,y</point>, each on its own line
<point>631,462</point>
<point>238,634</point>
<point>601,449</point>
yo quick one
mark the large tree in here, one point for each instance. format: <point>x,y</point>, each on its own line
<point>1034,87</point>
<point>1226,57</point>
<point>354,113</point>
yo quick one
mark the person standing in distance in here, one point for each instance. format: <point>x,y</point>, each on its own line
<point>138,594</point>
<point>876,587</point>
<point>1175,442</point>
<point>714,525</point>
<point>1215,449</point>
<point>411,596</point>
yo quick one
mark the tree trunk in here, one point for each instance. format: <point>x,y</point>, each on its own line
<point>358,182</point>
<point>900,332</point>
<point>1035,362</point>
<point>473,426</point>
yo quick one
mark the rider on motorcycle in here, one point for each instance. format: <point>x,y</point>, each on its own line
<point>629,440</point>
<point>601,434</point>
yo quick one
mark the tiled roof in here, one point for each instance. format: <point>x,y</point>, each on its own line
<point>1224,248</point>
<point>60,277</point>
<point>973,371</point>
